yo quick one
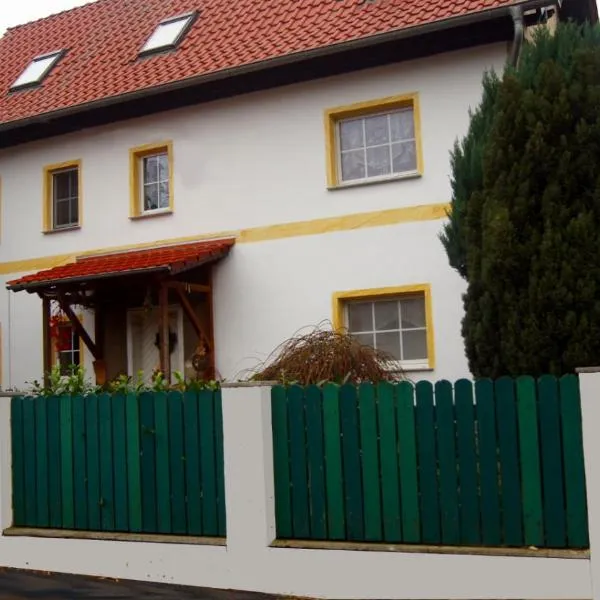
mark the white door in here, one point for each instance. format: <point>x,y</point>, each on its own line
<point>142,349</point>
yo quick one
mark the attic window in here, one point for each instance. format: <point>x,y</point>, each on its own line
<point>168,34</point>
<point>36,70</point>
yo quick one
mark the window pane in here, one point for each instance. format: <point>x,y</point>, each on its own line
<point>150,169</point>
<point>353,165</point>
<point>62,217</point>
<point>360,316</point>
<point>402,124</point>
<point>351,134</point>
<point>378,161</point>
<point>413,312</point>
<point>166,34</point>
<point>151,196</point>
<point>163,167</point>
<point>404,157</point>
<point>164,195</point>
<point>366,339</point>
<point>61,185</point>
<point>74,183</point>
<point>73,212</point>
<point>386,315</point>
<point>389,343</point>
<point>414,344</point>
<point>377,130</point>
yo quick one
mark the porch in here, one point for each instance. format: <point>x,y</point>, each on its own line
<point>136,312</point>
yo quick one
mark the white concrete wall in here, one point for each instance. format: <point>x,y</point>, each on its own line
<point>249,563</point>
<point>255,160</point>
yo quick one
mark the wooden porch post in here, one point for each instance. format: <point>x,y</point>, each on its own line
<point>47,341</point>
<point>165,355</point>
<point>99,328</point>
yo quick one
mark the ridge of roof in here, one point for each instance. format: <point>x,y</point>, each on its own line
<point>52,15</point>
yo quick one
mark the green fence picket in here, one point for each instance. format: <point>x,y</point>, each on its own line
<point>66,462</point>
<point>80,483</point>
<point>281,462</point>
<point>488,463</point>
<point>29,460</point>
<point>407,446</point>
<point>298,463</point>
<point>470,531</point>
<point>162,467</point>
<point>334,477</point>
<point>316,462</point>
<point>447,461</point>
<point>18,461</point>
<point>428,467</point>
<point>351,462</point>
<point>388,452</point>
<point>531,482</point>
<point>92,443</point>
<point>551,454</point>
<point>192,463</point>
<point>177,463</point>
<point>574,470</point>
<point>219,458</point>
<point>41,462</point>
<point>506,413</point>
<point>107,498</point>
<point>54,462</point>
<point>370,463</point>
<point>206,425</point>
<point>134,464</point>
<point>148,462</point>
<point>119,453</point>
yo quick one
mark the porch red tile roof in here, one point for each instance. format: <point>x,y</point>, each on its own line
<point>166,258</point>
<point>103,39</point>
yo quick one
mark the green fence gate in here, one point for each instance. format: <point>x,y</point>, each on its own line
<point>471,464</point>
<point>147,463</point>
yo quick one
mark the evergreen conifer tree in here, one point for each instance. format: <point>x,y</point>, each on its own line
<point>525,225</point>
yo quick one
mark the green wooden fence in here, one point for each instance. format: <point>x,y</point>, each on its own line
<point>148,463</point>
<point>484,464</point>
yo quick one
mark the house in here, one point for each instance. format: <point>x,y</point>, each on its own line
<point>187,183</point>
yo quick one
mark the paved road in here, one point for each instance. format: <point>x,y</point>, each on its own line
<point>21,585</point>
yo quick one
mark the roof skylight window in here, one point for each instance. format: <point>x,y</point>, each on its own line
<point>169,33</point>
<point>36,70</point>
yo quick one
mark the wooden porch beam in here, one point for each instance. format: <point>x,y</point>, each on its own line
<point>194,287</point>
<point>79,328</point>
<point>191,315</point>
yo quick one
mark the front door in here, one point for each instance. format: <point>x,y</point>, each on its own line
<point>142,341</point>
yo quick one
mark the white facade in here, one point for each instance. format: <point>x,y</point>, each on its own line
<point>248,162</point>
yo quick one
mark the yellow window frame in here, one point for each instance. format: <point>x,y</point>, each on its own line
<point>135,191</point>
<point>340,299</point>
<point>361,109</point>
<point>48,200</point>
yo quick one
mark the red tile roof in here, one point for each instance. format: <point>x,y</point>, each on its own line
<point>166,258</point>
<point>103,40</point>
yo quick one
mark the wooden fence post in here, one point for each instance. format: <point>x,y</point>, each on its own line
<point>589,386</point>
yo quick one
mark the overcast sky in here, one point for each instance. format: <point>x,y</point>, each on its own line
<point>16,12</point>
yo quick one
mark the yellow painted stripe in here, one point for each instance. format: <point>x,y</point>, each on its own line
<point>380,218</point>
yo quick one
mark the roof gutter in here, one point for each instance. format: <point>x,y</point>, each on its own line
<point>288,59</point>
<point>516,12</point>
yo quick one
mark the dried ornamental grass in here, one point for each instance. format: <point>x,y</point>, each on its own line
<point>322,356</point>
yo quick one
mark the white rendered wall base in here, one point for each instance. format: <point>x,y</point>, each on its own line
<point>249,563</point>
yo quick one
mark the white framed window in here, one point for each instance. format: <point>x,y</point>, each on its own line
<point>65,198</point>
<point>152,180</point>
<point>168,34</point>
<point>395,320</point>
<point>68,354</point>
<point>377,146</point>
<point>154,184</point>
<point>36,70</point>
